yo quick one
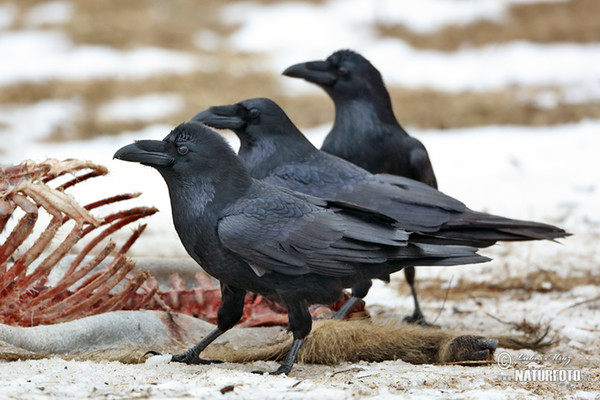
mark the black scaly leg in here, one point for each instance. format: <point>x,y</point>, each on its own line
<point>300,324</point>
<point>359,291</point>
<point>417,316</point>
<point>230,312</point>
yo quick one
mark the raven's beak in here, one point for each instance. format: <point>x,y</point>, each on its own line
<point>147,152</point>
<point>318,72</point>
<point>221,117</point>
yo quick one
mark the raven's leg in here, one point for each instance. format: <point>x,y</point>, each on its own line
<point>229,313</point>
<point>300,324</point>
<point>417,317</point>
<point>359,291</point>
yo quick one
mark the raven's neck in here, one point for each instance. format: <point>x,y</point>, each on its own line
<point>364,114</point>
<point>261,157</point>
<point>201,199</point>
<point>197,207</point>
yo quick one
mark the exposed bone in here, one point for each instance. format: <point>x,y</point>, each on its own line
<point>25,298</point>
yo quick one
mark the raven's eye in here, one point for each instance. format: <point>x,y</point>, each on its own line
<point>183,150</point>
<point>254,113</point>
<point>343,71</point>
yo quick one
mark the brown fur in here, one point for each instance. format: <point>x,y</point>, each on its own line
<point>332,342</point>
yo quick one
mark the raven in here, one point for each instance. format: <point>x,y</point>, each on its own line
<point>275,151</point>
<point>365,131</point>
<point>292,248</point>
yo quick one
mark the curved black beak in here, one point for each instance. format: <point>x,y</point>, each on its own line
<point>318,72</point>
<point>221,117</point>
<point>146,152</point>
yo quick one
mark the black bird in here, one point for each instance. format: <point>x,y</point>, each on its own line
<point>275,151</point>
<point>292,248</point>
<point>365,131</point>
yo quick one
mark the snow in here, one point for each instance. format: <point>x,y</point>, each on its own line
<point>148,107</point>
<point>485,68</point>
<point>22,124</point>
<point>50,13</point>
<point>207,40</point>
<point>488,67</point>
<point>341,16</point>
<point>280,32</point>
<point>64,60</point>
<point>8,13</point>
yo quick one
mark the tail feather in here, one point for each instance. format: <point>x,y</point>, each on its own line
<point>482,230</point>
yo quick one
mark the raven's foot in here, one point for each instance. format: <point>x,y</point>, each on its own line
<point>468,348</point>
<point>283,369</point>
<point>190,358</point>
<point>417,318</point>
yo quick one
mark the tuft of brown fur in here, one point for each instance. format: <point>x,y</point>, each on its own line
<point>332,342</point>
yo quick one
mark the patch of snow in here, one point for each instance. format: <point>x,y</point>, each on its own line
<point>159,359</point>
<point>338,17</point>
<point>550,98</point>
<point>64,60</point>
<point>280,32</point>
<point>8,14</point>
<point>207,40</point>
<point>427,16</point>
<point>50,13</point>
<point>149,107</point>
<point>21,124</point>
<point>488,67</point>
<point>577,95</point>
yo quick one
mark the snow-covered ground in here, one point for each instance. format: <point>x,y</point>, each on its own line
<point>550,174</point>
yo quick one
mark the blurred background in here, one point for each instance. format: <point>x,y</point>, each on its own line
<point>82,69</point>
<point>505,94</point>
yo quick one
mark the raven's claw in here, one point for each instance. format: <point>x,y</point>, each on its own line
<point>191,359</point>
<point>281,370</point>
<point>417,318</point>
<point>152,352</point>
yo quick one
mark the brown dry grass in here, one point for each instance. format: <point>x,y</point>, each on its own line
<point>428,108</point>
<point>541,281</point>
<point>572,21</point>
<point>172,25</point>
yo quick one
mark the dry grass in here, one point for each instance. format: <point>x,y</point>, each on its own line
<point>540,281</point>
<point>200,90</point>
<point>441,110</point>
<point>572,21</point>
<point>172,25</point>
<point>132,23</point>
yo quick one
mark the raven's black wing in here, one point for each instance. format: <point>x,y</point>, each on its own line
<point>414,205</point>
<point>278,230</point>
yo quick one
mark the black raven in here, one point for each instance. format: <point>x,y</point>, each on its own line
<point>275,151</point>
<point>365,131</point>
<point>292,248</point>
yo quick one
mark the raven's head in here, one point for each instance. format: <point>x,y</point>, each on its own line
<point>267,136</point>
<point>191,152</point>
<point>254,121</point>
<point>344,74</point>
